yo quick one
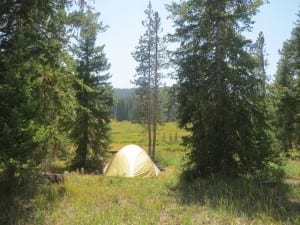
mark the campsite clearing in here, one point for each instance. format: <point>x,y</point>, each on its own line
<point>166,199</point>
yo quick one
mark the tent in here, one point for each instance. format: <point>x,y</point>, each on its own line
<point>131,161</point>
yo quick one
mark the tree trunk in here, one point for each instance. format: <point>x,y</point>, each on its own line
<point>83,145</point>
<point>149,130</point>
<point>149,110</point>
<point>220,98</point>
<point>155,94</point>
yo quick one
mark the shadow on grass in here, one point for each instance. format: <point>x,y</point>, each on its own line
<point>243,197</point>
<point>18,199</point>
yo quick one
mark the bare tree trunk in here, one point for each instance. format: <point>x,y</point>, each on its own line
<point>155,94</point>
<point>149,131</point>
<point>149,110</point>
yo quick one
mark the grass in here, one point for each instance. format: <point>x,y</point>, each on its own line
<point>126,133</point>
<point>292,169</point>
<point>167,199</point>
<point>168,135</point>
<point>107,200</point>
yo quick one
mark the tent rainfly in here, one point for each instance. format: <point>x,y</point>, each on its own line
<point>131,161</point>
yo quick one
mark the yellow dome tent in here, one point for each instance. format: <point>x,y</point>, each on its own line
<point>131,161</point>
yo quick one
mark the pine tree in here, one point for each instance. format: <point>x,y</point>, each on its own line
<point>143,90</point>
<point>259,55</point>
<point>219,90</point>
<point>94,93</point>
<point>37,98</point>
<point>150,55</point>
<point>288,83</point>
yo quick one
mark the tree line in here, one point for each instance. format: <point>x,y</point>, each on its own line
<point>56,98</point>
<point>126,105</point>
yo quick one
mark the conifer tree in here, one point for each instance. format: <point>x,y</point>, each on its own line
<point>288,83</point>
<point>37,99</point>
<point>94,93</point>
<point>259,55</point>
<point>150,55</point>
<point>219,90</point>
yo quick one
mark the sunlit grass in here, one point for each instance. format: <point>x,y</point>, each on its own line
<point>168,135</point>
<point>125,132</point>
<point>107,200</point>
<point>292,169</point>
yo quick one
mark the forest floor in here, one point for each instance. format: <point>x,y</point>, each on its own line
<point>167,199</point>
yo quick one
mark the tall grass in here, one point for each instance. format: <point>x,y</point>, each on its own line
<point>168,135</point>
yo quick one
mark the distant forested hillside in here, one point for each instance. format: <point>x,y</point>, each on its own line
<point>123,92</point>
<point>125,104</point>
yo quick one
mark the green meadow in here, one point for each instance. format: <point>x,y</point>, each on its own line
<point>167,199</point>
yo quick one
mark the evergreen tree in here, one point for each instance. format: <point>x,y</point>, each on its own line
<point>258,50</point>
<point>94,93</point>
<point>150,55</point>
<point>288,83</point>
<point>219,90</point>
<point>37,100</point>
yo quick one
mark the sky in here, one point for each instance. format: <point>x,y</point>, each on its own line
<point>123,17</point>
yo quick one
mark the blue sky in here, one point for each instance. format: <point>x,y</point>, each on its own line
<point>124,17</point>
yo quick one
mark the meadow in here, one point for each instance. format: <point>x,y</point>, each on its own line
<point>167,199</point>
